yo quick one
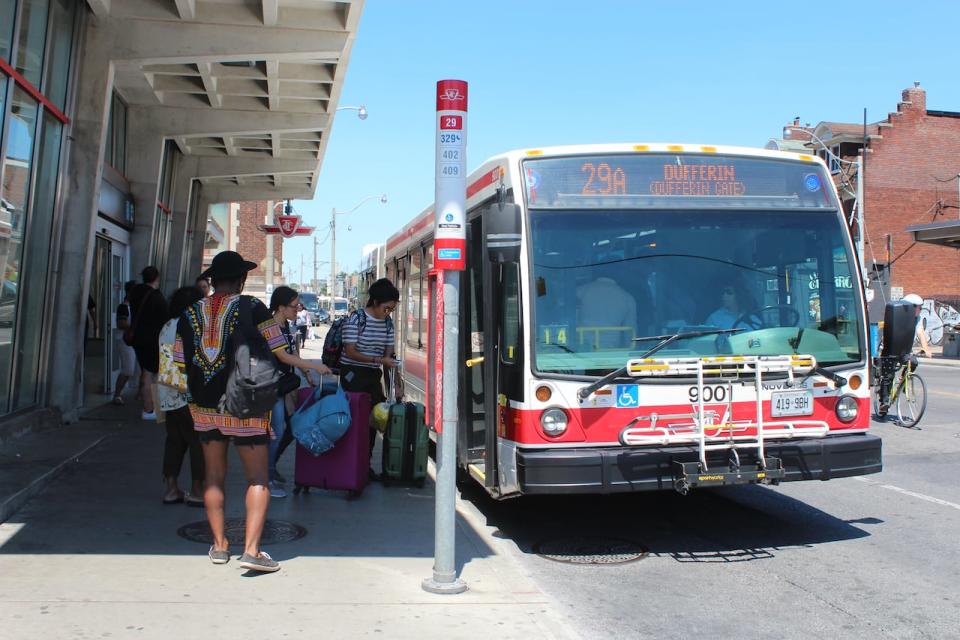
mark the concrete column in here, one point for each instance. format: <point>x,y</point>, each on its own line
<point>80,197</point>
<point>199,229</point>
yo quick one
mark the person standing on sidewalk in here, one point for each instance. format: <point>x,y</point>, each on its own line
<point>128,358</point>
<point>149,313</point>
<point>172,398</point>
<point>368,348</point>
<point>303,322</point>
<point>203,348</point>
<point>284,306</point>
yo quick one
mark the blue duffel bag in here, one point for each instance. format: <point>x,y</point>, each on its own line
<point>322,420</point>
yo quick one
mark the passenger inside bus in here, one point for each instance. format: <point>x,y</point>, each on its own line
<point>606,312</point>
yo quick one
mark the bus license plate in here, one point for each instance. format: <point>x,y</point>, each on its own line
<point>792,403</point>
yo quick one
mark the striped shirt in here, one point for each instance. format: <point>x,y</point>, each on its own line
<point>371,342</point>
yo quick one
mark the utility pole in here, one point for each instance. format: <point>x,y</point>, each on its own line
<point>314,283</point>
<point>332,286</point>
<point>301,271</point>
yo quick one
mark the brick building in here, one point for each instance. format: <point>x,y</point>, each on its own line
<point>912,167</point>
<point>236,226</point>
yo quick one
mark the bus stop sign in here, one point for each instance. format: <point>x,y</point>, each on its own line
<point>450,231</point>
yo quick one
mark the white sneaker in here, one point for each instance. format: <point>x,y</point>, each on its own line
<point>276,491</point>
<point>149,415</point>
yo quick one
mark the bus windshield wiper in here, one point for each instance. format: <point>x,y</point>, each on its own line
<point>664,341</point>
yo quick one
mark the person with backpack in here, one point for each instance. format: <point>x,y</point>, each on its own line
<point>285,307</point>
<point>216,339</point>
<point>368,347</point>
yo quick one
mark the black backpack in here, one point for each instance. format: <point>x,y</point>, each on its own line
<point>333,343</point>
<point>255,380</point>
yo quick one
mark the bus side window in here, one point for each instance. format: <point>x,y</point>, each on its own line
<point>412,304</point>
<point>510,315</point>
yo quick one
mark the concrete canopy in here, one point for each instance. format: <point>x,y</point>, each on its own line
<point>248,88</point>
<point>945,233</point>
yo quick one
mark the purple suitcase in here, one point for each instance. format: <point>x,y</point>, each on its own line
<point>345,466</point>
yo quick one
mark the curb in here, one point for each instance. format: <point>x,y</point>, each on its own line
<point>13,504</point>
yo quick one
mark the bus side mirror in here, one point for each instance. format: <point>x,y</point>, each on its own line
<point>899,328</point>
<point>503,232</point>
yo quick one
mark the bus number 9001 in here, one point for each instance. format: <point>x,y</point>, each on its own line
<point>716,393</point>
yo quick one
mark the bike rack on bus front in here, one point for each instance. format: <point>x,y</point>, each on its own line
<point>712,430</point>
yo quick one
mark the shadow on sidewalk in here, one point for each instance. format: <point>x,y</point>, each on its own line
<point>109,502</point>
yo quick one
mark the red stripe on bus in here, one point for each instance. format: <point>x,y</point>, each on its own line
<point>604,424</point>
<point>33,91</point>
<point>487,179</point>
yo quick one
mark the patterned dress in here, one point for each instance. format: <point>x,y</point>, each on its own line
<point>203,349</point>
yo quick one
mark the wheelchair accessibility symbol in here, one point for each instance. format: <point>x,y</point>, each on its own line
<point>628,395</point>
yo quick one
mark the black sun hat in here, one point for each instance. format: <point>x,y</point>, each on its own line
<point>228,264</point>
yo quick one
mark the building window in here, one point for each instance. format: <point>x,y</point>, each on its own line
<point>116,151</point>
<point>36,45</point>
<point>163,219</point>
<point>833,160</point>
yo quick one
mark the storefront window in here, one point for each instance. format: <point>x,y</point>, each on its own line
<point>33,282</point>
<point>61,45</point>
<point>14,189</point>
<point>33,37</point>
<point>8,9</point>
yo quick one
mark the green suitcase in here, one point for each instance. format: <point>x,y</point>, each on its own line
<point>405,445</point>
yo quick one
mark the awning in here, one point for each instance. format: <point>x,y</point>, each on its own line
<point>945,233</point>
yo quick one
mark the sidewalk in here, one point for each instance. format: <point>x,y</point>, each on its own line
<point>95,554</point>
<point>937,359</point>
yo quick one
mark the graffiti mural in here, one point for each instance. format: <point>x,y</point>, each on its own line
<point>934,316</point>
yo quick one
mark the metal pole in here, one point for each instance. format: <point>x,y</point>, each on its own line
<point>331,287</point>
<point>314,283</point>
<point>860,256</point>
<point>270,219</point>
<point>449,256</point>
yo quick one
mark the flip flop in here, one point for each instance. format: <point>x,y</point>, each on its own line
<point>193,501</point>
<point>177,500</point>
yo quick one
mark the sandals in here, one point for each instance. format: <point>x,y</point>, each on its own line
<point>193,501</point>
<point>218,556</point>
<point>176,500</point>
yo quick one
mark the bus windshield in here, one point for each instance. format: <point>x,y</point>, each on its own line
<point>605,279</point>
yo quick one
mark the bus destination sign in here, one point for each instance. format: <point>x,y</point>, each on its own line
<point>561,181</point>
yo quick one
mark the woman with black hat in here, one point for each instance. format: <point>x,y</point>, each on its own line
<point>203,348</point>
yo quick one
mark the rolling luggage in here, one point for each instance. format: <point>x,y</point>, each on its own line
<point>405,445</point>
<point>345,466</point>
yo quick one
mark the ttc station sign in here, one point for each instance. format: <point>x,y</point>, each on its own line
<point>287,224</point>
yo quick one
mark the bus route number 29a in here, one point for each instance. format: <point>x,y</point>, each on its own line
<point>711,393</point>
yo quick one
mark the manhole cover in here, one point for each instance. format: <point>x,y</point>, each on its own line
<point>588,550</point>
<point>274,532</point>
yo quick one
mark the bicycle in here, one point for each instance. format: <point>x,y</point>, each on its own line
<point>898,385</point>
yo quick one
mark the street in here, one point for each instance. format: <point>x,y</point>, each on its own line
<point>875,556</point>
<point>846,558</point>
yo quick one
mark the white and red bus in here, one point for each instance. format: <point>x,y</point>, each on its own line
<point>647,316</point>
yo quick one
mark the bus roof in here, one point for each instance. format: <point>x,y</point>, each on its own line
<point>481,183</point>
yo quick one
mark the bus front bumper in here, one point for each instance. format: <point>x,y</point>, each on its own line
<point>619,469</point>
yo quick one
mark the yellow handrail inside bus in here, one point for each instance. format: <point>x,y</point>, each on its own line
<point>473,361</point>
<point>596,331</point>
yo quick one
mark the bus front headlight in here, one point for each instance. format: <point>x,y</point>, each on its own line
<point>553,422</point>
<point>847,409</point>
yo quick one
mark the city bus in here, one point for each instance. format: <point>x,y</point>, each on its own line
<point>646,317</point>
<point>337,307</point>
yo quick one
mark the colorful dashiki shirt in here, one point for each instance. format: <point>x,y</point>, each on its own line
<point>202,348</point>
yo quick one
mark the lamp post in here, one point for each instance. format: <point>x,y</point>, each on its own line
<point>333,242</point>
<point>361,111</point>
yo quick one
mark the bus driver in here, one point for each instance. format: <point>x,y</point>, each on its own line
<point>606,312</point>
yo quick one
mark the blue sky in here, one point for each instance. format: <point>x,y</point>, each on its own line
<point>556,72</point>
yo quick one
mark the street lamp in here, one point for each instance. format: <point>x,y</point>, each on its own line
<point>333,242</point>
<point>361,111</point>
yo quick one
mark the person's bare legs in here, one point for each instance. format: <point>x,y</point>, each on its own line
<point>122,380</point>
<point>146,392</point>
<point>254,459</point>
<point>215,460</point>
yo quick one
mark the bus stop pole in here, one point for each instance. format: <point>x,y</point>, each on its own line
<point>449,256</point>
